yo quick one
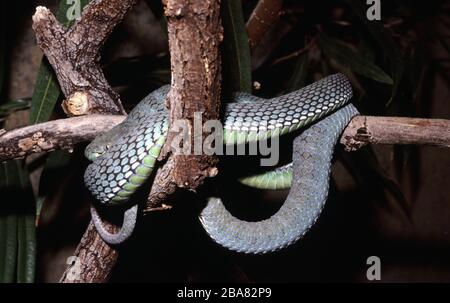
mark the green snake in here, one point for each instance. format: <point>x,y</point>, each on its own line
<point>124,158</point>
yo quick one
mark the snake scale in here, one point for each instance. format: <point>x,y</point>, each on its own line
<point>124,157</point>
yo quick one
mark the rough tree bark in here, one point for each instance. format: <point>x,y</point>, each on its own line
<point>56,134</point>
<point>74,54</point>
<point>195,33</point>
<point>363,130</point>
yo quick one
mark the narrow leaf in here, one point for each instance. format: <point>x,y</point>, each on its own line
<point>351,59</point>
<point>298,78</point>
<point>26,261</point>
<point>46,93</point>
<point>14,105</point>
<point>20,243</point>
<point>237,62</point>
<point>3,8</point>
<point>384,41</point>
<point>10,247</point>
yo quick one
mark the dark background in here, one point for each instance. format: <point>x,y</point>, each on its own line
<point>391,202</point>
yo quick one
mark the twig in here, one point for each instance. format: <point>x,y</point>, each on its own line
<point>56,134</point>
<point>265,14</point>
<point>74,54</point>
<point>363,130</point>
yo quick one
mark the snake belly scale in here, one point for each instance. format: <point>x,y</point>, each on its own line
<point>124,157</point>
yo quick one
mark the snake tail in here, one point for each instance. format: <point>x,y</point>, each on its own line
<point>313,151</point>
<point>126,230</point>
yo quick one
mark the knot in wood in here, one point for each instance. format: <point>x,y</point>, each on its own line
<point>77,104</point>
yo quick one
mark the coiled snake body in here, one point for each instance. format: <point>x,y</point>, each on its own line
<point>123,158</point>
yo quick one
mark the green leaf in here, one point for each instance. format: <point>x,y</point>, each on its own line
<point>236,56</point>
<point>17,216</point>
<point>351,59</point>
<point>26,260</point>
<point>298,79</point>
<point>384,41</point>
<point>10,249</point>
<point>3,237</point>
<point>14,105</point>
<point>61,14</point>
<point>47,91</point>
<point>3,8</point>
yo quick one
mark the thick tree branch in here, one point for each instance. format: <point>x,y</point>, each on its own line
<point>195,33</point>
<point>73,54</point>
<point>363,130</point>
<point>92,261</point>
<point>56,134</point>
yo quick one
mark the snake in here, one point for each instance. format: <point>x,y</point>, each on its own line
<point>124,157</point>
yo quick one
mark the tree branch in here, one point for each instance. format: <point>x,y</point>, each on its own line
<point>363,130</point>
<point>265,14</point>
<point>56,134</point>
<point>93,260</point>
<point>73,54</point>
<point>195,33</point>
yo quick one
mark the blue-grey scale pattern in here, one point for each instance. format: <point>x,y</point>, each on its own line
<point>313,150</point>
<point>127,144</point>
<point>291,110</point>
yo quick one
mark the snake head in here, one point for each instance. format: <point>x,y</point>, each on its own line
<point>104,141</point>
<point>97,147</point>
<point>93,151</point>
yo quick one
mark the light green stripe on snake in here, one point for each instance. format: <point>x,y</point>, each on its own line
<point>277,179</point>
<point>141,174</point>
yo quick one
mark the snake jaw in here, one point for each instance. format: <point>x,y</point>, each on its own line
<point>92,156</point>
<point>97,148</point>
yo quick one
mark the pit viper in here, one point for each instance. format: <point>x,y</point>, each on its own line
<point>124,158</point>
